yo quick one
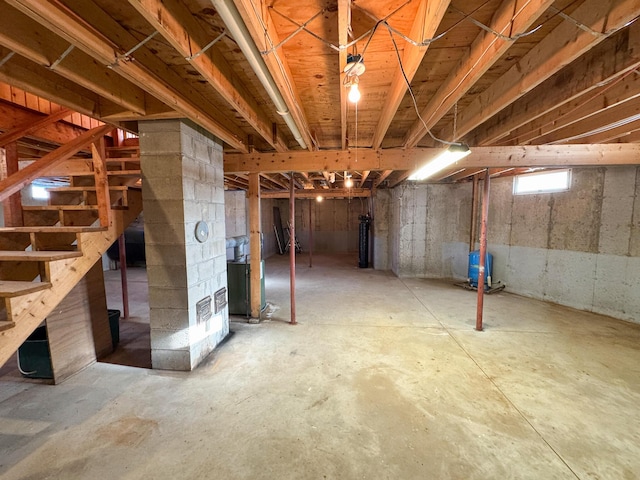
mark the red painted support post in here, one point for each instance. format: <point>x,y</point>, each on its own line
<point>483,250</point>
<point>123,276</point>
<point>474,215</point>
<point>292,249</point>
<point>310,233</point>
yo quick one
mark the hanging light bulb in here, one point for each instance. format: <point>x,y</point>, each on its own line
<point>348,181</point>
<point>354,92</point>
<point>319,198</point>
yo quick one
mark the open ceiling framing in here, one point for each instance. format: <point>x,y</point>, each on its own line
<point>525,83</point>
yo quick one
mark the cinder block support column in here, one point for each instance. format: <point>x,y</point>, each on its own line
<point>182,184</point>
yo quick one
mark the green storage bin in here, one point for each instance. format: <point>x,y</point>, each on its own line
<point>237,284</point>
<point>34,358</point>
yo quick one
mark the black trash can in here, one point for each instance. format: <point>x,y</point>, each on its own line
<point>363,241</point>
<point>34,358</point>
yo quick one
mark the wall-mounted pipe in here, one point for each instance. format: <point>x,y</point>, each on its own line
<point>234,22</point>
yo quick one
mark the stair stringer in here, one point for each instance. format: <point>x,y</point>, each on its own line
<point>28,311</point>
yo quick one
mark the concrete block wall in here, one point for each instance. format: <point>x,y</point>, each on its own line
<point>335,228</point>
<point>182,185</point>
<point>429,230</point>
<point>380,236</point>
<point>579,248</point>
<point>235,213</point>
<point>269,246</point>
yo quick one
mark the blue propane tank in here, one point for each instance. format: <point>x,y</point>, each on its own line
<point>474,265</point>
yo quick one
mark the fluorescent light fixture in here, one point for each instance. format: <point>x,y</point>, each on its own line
<point>450,156</point>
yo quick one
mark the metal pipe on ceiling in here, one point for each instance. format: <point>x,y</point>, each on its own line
<point>234,22</point>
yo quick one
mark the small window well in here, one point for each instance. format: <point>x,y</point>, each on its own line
<point>39,192</point>
<point>543,182</point>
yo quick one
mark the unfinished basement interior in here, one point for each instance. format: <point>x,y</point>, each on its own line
<point>331,239</point>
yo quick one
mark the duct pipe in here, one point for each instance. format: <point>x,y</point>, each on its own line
<point>234,22</point>
<point>237,243</point>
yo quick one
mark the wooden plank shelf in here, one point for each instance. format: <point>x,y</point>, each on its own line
<point>12,288</point>
<point>37,256</point>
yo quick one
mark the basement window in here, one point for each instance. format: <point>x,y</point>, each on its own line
<point>39,192</point>
<point>543,182</point>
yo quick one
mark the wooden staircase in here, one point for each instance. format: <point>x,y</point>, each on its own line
<point>43,260</point>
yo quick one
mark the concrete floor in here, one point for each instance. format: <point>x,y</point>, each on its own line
<point>383,378</point>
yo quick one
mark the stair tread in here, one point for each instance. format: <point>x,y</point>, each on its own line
<point>60,207</point>
<point>88,188</point>
<point>122,148</point>
<point>122,159</point>
<point>52,229</point>
<point>122,173</point>
<point>14,288</point>
<point>6,325</point>
<point>38,255</point>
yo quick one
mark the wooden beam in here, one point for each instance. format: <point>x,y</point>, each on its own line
<point>101,182</point>
<point>400,178</point>
<point>607,133</point>
<point>27,129</point>
<point>288,177</point>
<point>12,117</point>
<point>24,177</point>
<point>401,159</point>
<point>511,18</point>
<point>563,45</point>
<point>326,161</point>
<point>425,24</point>
<point>381,178</point>
<point>553,156</point>
<point>331,193</point>
<point>235,183</point>
<point>180,28</point>
<point>580,129</point>
<point>365,175</point>
<point>276,63</point>
<point>26,37</point>
<point>466,173</point>
<point>12,206</point>
<point>622,89</point>
<point>24,74</point>
<point>616,56</point>
<point>273,180</point>
<point>147,71</point>
<point>254,245</point>
<point>344,20</point>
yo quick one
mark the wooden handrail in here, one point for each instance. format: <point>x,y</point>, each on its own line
<point>24,177</point>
